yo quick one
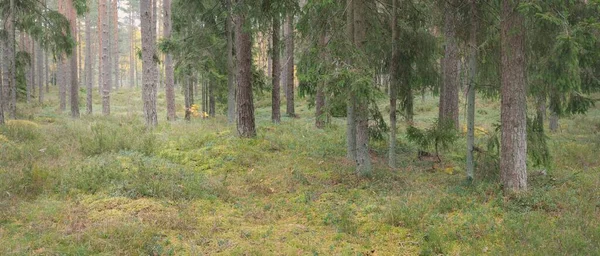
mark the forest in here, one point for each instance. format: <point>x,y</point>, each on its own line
<point>299,127</point>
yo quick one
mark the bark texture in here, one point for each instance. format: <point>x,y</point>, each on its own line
<point>74,83</point>
<point>363,159</point>
<point>350,117</point>
<point>393,88</point>
<point>275,100</point>
<point>230,67</point>
<point>148,64</point>
<point>513,158</point>
<point>449,92</point>
<point>471,90</point>
<point>169,70</point>
<point>105,61</point>
<point>289,49</point>
<point>88,64</point>
<point>245,105</point>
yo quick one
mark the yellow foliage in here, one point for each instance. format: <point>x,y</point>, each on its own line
<point>3,139</point>
<point>479,131</point>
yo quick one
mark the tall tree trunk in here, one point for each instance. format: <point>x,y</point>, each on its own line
<point>188,91</point>
<point>100,49</point>
<point>245,103</point>
<point>275,94</point>
<point>74,66</point>
<point>289,48</point>
<point>63,69</point>
<point>132,46</point>
<point>32,69</point>
<point>211,98</point>
<point>363,159</point>
<point>9,54</point>
<point>320,116</point>
<point>513,158</point>
<point>2,64</point>
<point>350,116</point>
<point>115,41</point>
<point>105,61</point>
<point>169,75</point>
<point>88,64</point>
<point>46,71</point>
<point>471,90</point>
<point>40,72</point>
<point>393,86</point>
<point>449,92</point>
<point>24,46</point>
<point>148,64</point>
<point>230,67</point>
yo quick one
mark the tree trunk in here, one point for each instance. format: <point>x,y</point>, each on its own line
<point>105,61</point>
<point>40,72</point>
<point>169,75</point>
<point>230,67</point>
<point>289,48</point>
<point>100,52</point>
<point>320,117</point>
<point>188,90</point>
<point>245,104</point>
<point>24,46</point>
<point>393,86</point>
<point>449,92</point>
<point>46,68</point>
<point>88,64</point>
<point>132,48</point>
<point>10,56</point>
<point>553,122</point>
<point>211,98</point>
<point>74,83</point>
<point>115,41</point>
<point>350,117</point>
<point>513,159</point>
<point>148,64</point>
<point>363,159</point>
<point>471,90</point>
<point>275,100</point>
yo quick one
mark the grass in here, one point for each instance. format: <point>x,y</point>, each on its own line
<point>107,186</point>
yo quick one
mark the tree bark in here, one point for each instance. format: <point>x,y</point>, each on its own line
<point>88,64</point>
<point>105,61</point>
<point>275,100</point>
<point>471,90</point>
<point>148,64</point>
<point>211,98</point>
<point>320,116</point>
<point>9,51</point>
<point>363,159</point>
<point>100,52</point>
<point>230,67</point>
<point>132,47</point>
<point>188,92</point>
<point>245,105</point>
<point>513,159</point>
<point>74,83</point>
<point>115,41</point>
<point>40,72</point>
<point>169,71</point>
<point>393,87</point>
<point>449,92</point>
<point>289,48</point>
<point>350,117</point>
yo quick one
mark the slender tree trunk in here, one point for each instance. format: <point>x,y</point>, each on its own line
<point>115,41</point>
<point>24,46</point>
<point>74,83</point>
<point>2,74</point>
<point>63,70</point>
<point>245,103</point>
<point>46,71</point>
<point>230,67</point>
<point>88,64</point>
<point>513,158</point>
<point>320,116</point>
<point>553,122</point>
<point>471,90</point>
<point>449,92</point>
<point>9,51</point>
<point>363,158</point>
<point>350,119</point>
<point>289,48</point>
<point>132,46</point>
<point>275,101</point>
<point>211,98</point>
<point>32,70</point>
<point>148,64</point>
<point>100,50</point>
<point>169,75</point>
<point>40,72</point>
<point>393,86</point>
<point>105,61</point>
<point>188,90</point>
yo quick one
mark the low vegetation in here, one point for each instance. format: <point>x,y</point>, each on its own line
<point>106,185</point>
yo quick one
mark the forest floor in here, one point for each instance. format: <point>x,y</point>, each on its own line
<point>105,185</point>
